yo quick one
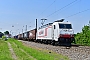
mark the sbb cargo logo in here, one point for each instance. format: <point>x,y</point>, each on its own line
<point>41,32</point>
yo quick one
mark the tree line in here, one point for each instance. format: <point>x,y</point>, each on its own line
<point>83,37</point>
<point>5,33</point>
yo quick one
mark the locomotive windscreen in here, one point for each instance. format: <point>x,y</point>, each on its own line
<point>65,26</point>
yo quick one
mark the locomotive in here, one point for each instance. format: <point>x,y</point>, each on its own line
<point>58,32</point>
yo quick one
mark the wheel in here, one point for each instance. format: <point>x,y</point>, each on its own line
<point>53,42</point>
<point>68,44</point>
<point>41,41</point>
<point>47,42</point>
<point>35,41</point>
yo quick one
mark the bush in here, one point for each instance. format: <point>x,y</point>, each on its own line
<point>4,38</point>
<point>83,37</point>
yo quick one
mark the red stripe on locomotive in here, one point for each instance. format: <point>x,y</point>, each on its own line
<point>45,31</point>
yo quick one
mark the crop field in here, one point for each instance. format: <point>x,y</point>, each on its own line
<point>15,50</point>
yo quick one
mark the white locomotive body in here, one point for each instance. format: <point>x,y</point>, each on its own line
<point>57,31</point>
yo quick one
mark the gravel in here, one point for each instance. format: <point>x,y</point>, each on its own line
<point>74,53</point>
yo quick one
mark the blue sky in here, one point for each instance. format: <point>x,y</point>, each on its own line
<point>24,12</point>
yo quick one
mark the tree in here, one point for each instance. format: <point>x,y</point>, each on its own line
<point>85,29</point>
<point>6,32</point>
<point>83,37</point>
<point>1,34</point>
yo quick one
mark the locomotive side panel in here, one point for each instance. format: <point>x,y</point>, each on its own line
<point>41,33</point>
<point>48,32</point>
<point>45,33</point>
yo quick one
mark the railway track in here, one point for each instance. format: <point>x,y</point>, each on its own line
<point>75,52</point>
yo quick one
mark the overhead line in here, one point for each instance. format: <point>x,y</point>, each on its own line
<point>48,6</point>
<point>77,13</point>
<point>67,8</point>
<point>62,8</point>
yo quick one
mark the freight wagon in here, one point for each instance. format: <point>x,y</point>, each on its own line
<point>19,36</point>
<point>22,36</point>
<point>16,37</point>
<point>26,35</point>
<point>32,35</point>
<point>29,35</point>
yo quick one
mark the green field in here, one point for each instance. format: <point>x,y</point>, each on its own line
<point>23,52</point>
<point>4,51</point>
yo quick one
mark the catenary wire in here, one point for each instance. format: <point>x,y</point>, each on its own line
<point>68,7</point>
<point>62,8</point>
<point>77,13</point>
<point>47,7</point>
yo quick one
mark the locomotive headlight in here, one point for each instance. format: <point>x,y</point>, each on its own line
<point>72,35</point>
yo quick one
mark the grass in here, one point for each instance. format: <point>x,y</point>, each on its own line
<point>20,54</point>
<point>35,53</point>
<point>4,51</point>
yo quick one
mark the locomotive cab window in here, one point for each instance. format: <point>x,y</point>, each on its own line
<point>65,26</point>
<point>54,27</point>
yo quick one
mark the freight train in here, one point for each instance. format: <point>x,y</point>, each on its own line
<point>58,32</point>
